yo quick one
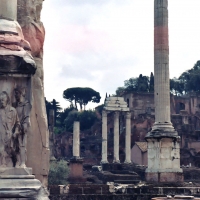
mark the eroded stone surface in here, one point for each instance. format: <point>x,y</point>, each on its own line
<point>163,140</point>
<point>28,16</point>
<point>16,180</point>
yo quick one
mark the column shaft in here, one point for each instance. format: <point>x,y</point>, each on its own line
<point>161,62</point>
<point>8,9</point>
<point>104,137</point>
<point>128,138</point>
<point>76,139</point>
<point>116,138</point>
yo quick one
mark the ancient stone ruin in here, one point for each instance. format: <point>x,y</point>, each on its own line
<point>163,140</point>
<point>28,16</point>
<point>118,106</point>
<point>17,83</point>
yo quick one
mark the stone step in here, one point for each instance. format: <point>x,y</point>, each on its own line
<point>127,181</point>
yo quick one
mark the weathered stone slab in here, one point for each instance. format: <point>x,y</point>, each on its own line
<point>116,109</point>
<point>15,171</point>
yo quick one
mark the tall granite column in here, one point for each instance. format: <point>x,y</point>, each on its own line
<point>116,138</point>
<point>104,137</point>
<point>161,65</point>
<point>128,138</point>
<point>163,140</point>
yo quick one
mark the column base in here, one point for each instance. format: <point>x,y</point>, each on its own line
<point>163,155</point>
<point>127,162</point>
<point>17,183</point>
<point>104,162</point>
<point>164,177</point>
<point>116,161</point>
<point>161,129</point>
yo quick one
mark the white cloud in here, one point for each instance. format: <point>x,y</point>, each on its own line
<point>101,45</point>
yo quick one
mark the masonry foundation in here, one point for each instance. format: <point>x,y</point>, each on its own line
<point>76,171</point>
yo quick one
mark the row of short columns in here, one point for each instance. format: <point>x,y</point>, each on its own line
<point>116,138</point>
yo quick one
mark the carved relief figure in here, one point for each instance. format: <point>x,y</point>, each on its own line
<point>9,131</point>
<point>23,108</point>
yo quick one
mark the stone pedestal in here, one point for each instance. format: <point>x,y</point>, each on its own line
<point>18,183</point>
<point>76,171</point>
<point>163,157</point>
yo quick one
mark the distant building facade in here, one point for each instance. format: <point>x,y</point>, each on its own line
<point>185,116</point>
<point>139,153</point>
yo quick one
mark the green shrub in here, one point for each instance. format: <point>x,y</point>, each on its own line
<point>58,173</point>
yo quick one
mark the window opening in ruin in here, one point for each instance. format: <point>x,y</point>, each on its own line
<point>179,106</point>
<point>182,106</point>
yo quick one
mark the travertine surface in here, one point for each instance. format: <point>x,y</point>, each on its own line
<point>163,155</point>
<point>28,16</point>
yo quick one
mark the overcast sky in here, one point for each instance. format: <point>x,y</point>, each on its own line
<point>101,43</point>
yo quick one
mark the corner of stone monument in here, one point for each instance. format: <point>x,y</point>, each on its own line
<point>17,67</point>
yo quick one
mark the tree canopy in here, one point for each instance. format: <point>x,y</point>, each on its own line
<point>189,81</point>
<point>54,105</point>
<point>139,84</point>
<point>86,118</point>
<point>81,96</point>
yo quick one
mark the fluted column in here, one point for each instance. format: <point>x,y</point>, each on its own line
<point>161,65</point>
<point>116,138</point>
<point>128,138</point>
<point>8,9</point>
<point>76,139</point>
<point>104,137</point>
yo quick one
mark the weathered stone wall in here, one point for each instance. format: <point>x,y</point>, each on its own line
<point>140,192</point>
<point>33,30</point>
